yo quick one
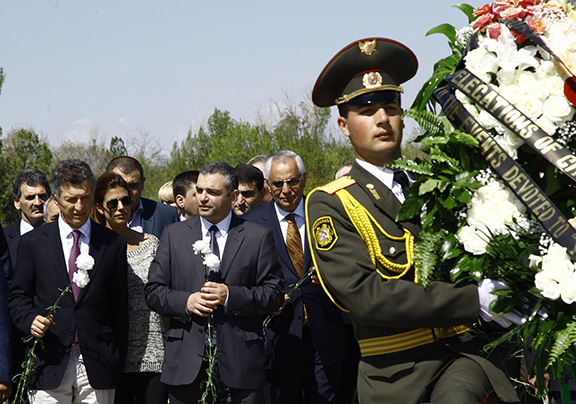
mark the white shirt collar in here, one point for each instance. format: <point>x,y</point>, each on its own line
<point>299,211</point>
<point>26,227</point>
<point>66,229</point>
<point>386,176</point>
<point>222,225</point>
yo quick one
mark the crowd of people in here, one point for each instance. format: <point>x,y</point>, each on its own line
<point>140,306</point>
<point>138,332</point>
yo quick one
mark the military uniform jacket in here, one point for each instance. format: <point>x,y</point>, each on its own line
<point>383,302</point>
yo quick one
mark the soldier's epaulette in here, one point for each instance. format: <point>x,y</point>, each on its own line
<point>337,185</point>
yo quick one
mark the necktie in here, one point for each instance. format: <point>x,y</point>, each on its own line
<point>294,244</point>
<point>401,178</point>
<point>72,268</point>
<point>214,276</point>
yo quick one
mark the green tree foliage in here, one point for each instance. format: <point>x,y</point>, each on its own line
<point>94,152</point>
<point>302,129</point>
<point>117,147</point>
<point>22,148</point>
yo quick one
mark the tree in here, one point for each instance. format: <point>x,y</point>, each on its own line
<point>22,148</point>
<point>302,129</point>
<point>117,147</point>
<point>94,152</point>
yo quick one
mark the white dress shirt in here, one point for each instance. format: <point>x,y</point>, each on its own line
<point>221,234</point>
<point>386,176</point>
<point>67,240</point>
<point>299,218</point>
<point>136,222</point>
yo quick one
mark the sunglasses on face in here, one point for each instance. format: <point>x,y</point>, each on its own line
<point>112,204</point>
<point>291,182</point>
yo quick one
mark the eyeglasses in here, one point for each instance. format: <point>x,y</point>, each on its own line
<point>291,182</point>
<point>112,204</point>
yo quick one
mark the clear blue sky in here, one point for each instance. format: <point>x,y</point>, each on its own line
<point>123,67</point>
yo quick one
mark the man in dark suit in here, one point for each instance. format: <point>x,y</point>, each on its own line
<point>86,340</point>
<point>30,190</point>
<point>247,287</point>
<point>148,216</point>
<point>5,326</point>
<point>307,341</point>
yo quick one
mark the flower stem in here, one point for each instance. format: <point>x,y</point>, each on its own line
<point>269,318</point>
<point>29,365</point>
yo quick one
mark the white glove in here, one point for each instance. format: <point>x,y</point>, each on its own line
<point>485,297</point>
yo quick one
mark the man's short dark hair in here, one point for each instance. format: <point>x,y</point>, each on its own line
<point>72,172</point>
<point>31,177</point>
<point>220,167</point>
<point>126,165</point>
<point>248,174</point>
<point>184,181</point>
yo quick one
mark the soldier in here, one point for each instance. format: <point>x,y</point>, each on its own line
<point>417,344</point>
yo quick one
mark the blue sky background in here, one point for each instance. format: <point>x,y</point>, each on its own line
<point>125,67</point>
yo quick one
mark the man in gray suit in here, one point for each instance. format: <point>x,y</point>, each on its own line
<point>247,287</point>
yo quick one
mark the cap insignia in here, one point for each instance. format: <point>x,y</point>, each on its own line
<point>367,47</point>
<point>372,79</point>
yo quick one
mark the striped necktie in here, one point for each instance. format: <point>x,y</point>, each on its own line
<point>294,244</point>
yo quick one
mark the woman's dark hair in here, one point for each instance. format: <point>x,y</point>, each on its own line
<point>107,181</point>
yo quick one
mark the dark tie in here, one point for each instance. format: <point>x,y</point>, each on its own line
<point>214,276</point>
<point>294,244</point>
<point>401,178</point>
<point>72,268</point>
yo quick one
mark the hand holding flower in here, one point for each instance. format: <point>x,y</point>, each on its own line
<point>40,326</point>
<point>215,293</point>
<point>198,305</point>
<point>279,311</point>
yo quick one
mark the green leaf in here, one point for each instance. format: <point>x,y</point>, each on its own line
<point>430,185</point>
<point>467,9</point>
<point>411,207</point>
<point>445,29</point>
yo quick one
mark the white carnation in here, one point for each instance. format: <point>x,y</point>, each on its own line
<point>201,247</point>
<point>211,261</point>
<point>81,278</point>
<point>472,240</point>
<point>549,287</point>
<point>85,262</point>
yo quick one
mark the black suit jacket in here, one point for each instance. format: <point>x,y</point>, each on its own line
<point>5,323</point>
<point>12,234</point>
<point>100,316</point>
<point>155,216</point>
<point>254,278</point>
<point>325,320</point>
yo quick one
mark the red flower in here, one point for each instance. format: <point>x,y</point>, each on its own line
<point>483,21</point>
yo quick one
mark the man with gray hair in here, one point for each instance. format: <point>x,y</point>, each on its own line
<point>30,190</point>
<point>86,338</point>
<point>307,338</point>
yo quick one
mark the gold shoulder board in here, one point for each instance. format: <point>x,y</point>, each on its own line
<point>336,185</point>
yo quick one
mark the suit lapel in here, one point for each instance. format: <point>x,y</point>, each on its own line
<point>97,249</point>
<point>234,241</point>
<point>194,233</point>
<point>281,249</point>
<point>55,252</point>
